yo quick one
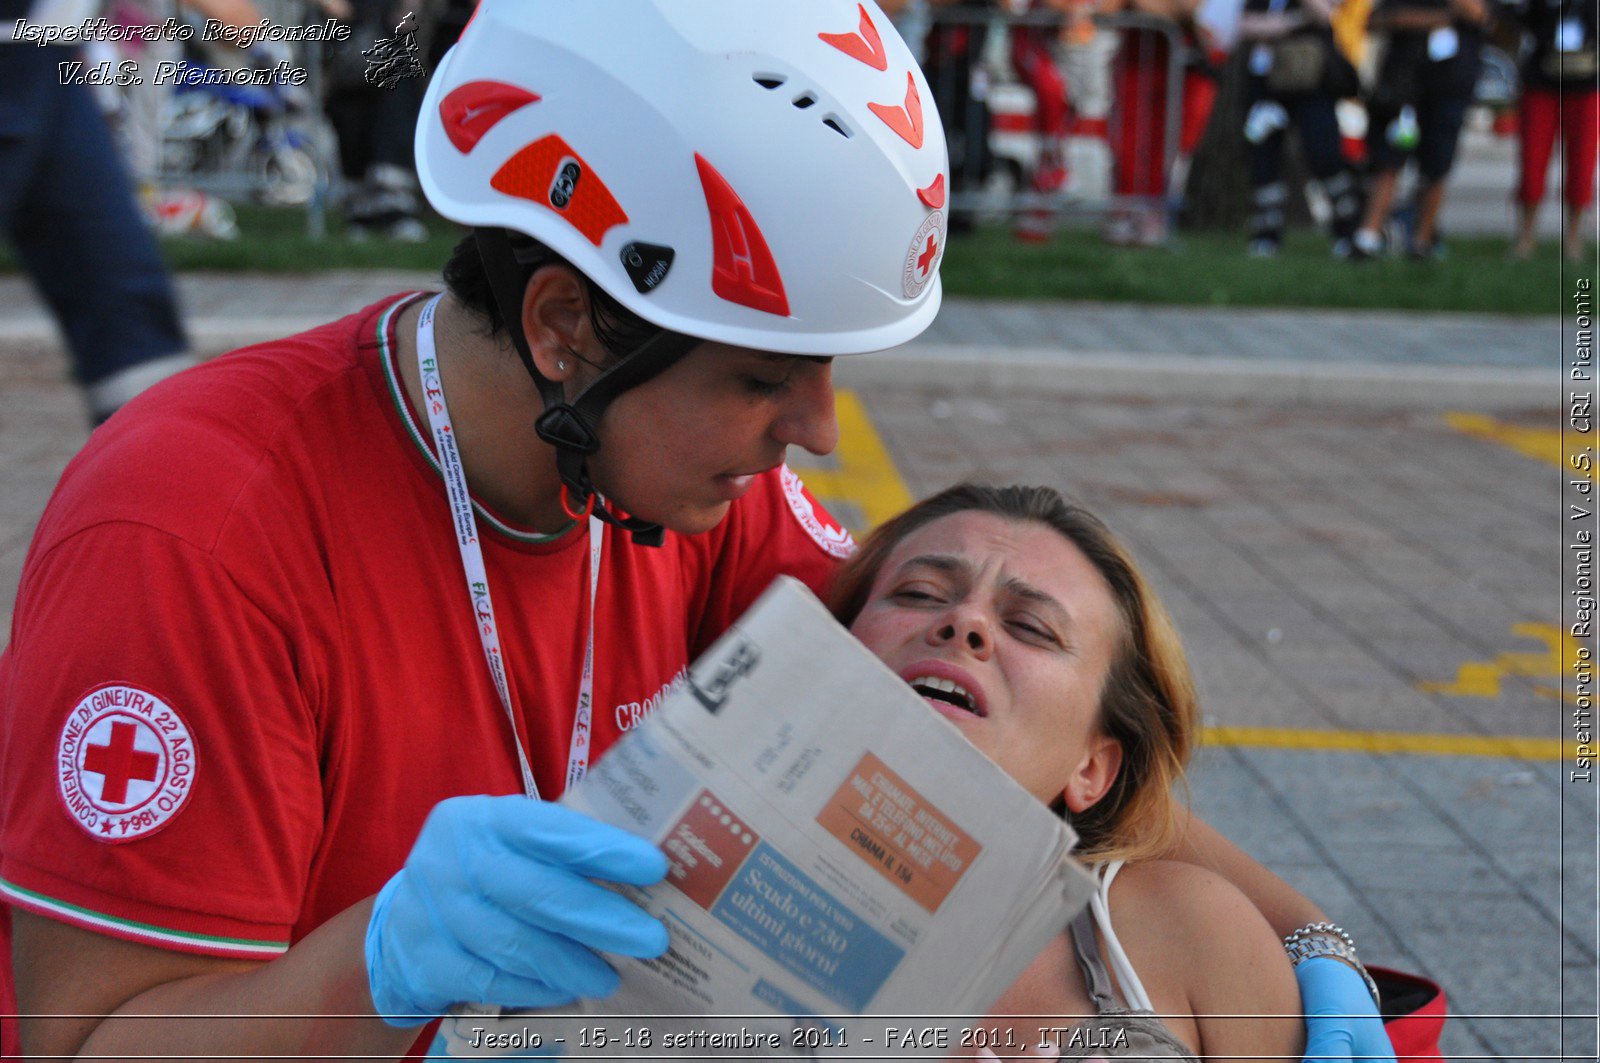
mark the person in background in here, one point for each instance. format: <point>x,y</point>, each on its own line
<point>1033,50</point>
<point>67,206</point>
<point>952,60</point>
<point>1139,133</point>
<point>1418,103</point>
<point>375,124</point>
<point>1275,104</point>
<point>1560,96</point>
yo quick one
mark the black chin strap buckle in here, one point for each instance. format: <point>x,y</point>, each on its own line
<point>565,428</point>
<point>568,431</point>
<point>645,534</point>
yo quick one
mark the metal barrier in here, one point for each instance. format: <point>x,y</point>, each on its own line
<point>990,111</point>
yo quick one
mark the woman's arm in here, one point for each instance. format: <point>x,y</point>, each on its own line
<point>1342,1019</point>
<point>1206,946</point>
<point>1238,967</point>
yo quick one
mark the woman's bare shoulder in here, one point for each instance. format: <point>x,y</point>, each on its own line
<point>1213,947</point>
<point>1196,916</point>
<point>1183,893</point>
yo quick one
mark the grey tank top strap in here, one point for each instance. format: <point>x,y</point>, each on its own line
<point>1096,978</point>
<point>1116,1032</point>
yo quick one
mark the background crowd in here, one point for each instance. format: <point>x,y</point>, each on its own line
<point>1341,96</point>
<point>1137,115</point>
<point>1360,90</point>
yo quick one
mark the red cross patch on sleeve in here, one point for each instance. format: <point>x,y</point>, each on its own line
<point>833,537</point>
<point>125,763</point>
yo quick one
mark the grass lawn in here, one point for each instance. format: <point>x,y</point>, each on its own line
<point>1207,269</point>
<point>1211,269</point>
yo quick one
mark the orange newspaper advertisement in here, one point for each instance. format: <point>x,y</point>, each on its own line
<point>899,833</point>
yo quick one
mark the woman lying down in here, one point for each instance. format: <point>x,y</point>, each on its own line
<point>1026,624</point>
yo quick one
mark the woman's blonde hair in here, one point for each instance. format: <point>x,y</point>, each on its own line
<point>1148,703</point>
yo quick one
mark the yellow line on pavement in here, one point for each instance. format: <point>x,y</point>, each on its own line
<point>865,474</point>
<point>1482,679</point>
<point>1540,444</point>
<point>1396,742</point>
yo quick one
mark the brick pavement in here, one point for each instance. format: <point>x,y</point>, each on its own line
<point>1324,560</point>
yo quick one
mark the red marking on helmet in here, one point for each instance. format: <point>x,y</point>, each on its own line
<point>743,271</point>
<point>929,253</point>
<point>933,195</point>
<point>907,120</point>
<point>471,110</point>
<point>531,172</point>
<point>864,44</point>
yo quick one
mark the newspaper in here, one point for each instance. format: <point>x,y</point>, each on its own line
<point>836,850</point>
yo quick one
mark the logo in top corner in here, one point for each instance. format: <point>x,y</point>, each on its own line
<point>833,537</point>
<point>922,258</point>
<point>125,763</point>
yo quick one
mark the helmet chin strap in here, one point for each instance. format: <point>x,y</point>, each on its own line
<point>572,427</point>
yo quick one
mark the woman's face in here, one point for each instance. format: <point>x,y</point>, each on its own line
<point>681,448</point>
<point>1017,620</point>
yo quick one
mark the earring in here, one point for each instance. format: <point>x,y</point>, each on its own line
<point>560,364</point>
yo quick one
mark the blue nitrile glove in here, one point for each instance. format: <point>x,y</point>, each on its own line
<point>495,906</point>
<point>1342,1021</point>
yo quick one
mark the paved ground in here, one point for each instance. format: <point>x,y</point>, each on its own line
<point>1355,521</point>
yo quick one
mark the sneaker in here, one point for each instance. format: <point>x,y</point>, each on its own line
<point>1436,251</point>
<point>1402,228</point>
<point>1050,177</point>
<point>1262,247</point>
<point>407,231</point>
<point>1027,234</point>
<point>1366,244</point>
<point>1342,248</point>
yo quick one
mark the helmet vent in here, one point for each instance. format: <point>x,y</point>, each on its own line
<point>804,100</point>
<point>833,122</point>
<point>768,81</point>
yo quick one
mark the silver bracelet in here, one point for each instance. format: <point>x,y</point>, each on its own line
<point>1327,939</point>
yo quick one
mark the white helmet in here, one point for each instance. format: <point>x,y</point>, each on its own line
<point>763,173</point>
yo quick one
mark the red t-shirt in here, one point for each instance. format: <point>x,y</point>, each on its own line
<point>244,666</point>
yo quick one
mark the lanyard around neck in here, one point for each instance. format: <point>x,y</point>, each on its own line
<point>477,577</point>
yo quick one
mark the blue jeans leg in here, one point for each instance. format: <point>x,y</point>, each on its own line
<point>68,207</point>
